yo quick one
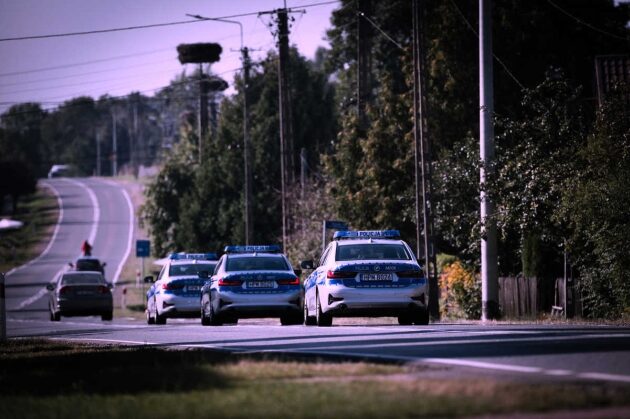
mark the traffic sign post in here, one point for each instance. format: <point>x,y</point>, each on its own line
<point>143,250</point>
<point>330,224</point>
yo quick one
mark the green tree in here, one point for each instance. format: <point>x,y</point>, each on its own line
<point>596,204</point>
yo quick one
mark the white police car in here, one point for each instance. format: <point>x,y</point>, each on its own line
<point>366,273</point>
<point>176,291</point>
<point>252,282</point>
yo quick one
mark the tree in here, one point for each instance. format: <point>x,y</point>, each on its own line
<point>596,204</point>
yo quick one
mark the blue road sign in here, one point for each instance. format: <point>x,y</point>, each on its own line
<point>143,248</point>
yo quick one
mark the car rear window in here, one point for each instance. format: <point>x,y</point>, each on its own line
<point>88,265</point>
<point>372,251</point>
<point>82,279</point>
<point>256,263</point>
<point>190,269</point>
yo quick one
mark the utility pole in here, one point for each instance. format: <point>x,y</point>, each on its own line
<point>249,224</point>
<point>114,146</point>
<point>202,120</point>
<point>489,280</point>
<point>303,165</point>
<point>364,64</point>
<point>98,153</point>
<point>423,160</point>
<point>283,57</point>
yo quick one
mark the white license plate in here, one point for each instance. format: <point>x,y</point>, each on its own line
<point>260,284</point>
<point>377,277</point>
<point>193,288</point>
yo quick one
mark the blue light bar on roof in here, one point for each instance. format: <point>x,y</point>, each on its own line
<point>193,256</point>
<point>367,234</point>
<point>273,248</point>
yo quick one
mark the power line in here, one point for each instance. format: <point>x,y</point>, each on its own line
<point>155,25</point>
<point>371,22</point>
<point>588,25</point>
<point>507,70</point>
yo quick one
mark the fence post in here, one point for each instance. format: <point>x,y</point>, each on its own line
<point>3,313</point>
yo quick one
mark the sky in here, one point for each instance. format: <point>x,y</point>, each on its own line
<point>56,69</point>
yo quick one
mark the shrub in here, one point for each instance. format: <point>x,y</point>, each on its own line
<point>461,290</point>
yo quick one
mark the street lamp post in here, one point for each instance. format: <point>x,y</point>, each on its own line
<point>249,227</point>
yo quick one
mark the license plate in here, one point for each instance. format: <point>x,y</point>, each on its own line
<point>260,284</point>
<point>193,288</point>
<point>85,292</point>
<point>377,277</point>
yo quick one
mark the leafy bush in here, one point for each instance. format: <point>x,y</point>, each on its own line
<point>461,291</point>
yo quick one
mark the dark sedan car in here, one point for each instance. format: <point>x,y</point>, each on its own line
<point>88,263</point>
<point>80,294</point>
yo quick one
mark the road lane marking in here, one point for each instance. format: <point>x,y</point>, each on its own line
<point>95,220</point>
<point>55,231</point>
<point>132,221</point>
<point>606,377</point>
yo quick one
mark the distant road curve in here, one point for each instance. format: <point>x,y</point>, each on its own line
<point>92,209</point>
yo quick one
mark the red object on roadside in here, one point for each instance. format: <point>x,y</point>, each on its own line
<point>86,248</point>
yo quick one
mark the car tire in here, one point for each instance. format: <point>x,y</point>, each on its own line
<point>54,316</point>
<point>321,319</point>
<point>308,320</point>
<point>150,319</point>
<point>421,317</point>
<point>205,320</point>
<point>107,316</point>
<point>159,319</point>
<point>212,317</point>
<point>405,319</point>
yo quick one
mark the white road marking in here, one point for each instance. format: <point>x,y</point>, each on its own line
<point>132,220</point>
<point>95,220</point>
<point>606,377</point>
<point>55,232</point>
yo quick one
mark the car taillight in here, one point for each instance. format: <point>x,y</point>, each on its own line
<point>292,281</point>
<point>103,289</point>
<point>409,274</point>
<point>228,282</point>
<point>64,290</point>
<point>169,286</point>
<point>340,274</point>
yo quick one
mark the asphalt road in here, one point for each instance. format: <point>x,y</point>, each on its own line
<point>93,209</point>
<point>97,209</point>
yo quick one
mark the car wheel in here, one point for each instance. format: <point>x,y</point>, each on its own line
<point>108,316</point>
<point>150,319</point>
<point>212,317</point>
<point>54,316</point>
<point>205,320</point>
<point>308,320</point>
<point>321,319</point>
<point>421,317</point>
<point>405,319</point>
<point>159,318</point>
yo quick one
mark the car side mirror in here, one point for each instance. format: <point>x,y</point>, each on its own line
<point>204,274</point>
<point>297,271</point>
<point>148,278</point>
<point>70,264</point>
<point>103,264</point>
<point>306,264</point>
<point>110,285</point>
<point>50,287</point>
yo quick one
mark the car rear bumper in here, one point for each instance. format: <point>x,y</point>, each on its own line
<point>179,306</point>
<point>85,307</point>
<point>350,301</point>
<point>258,305</point>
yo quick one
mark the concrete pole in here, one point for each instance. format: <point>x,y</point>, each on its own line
<point>98,153</point>
<point>3,313</point>
<point>285,131</point>
<point>114,147</point>
<point>489,280</point>
<point>249,224</point>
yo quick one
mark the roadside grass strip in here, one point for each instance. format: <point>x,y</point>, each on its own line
<point>44,379</point>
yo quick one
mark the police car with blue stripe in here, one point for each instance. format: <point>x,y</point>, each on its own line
<point>176,291</point>
<point>366,273</point>
<point>252,282</point>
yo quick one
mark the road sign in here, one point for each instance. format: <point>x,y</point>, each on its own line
<point>336,225</point>
<point>143,248</point>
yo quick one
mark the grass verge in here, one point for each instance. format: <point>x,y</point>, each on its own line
<point>41,379</point>
<point>39,213</point>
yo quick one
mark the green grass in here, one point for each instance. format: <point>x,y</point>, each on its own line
<point>39,214</point>
<point>42,379</point>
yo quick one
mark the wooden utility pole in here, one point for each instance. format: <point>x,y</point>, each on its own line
<point>423,161</point>
<point>364,64</point>
<point>114,146</point>
<point>249,226</point>
<point>285,121</point>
